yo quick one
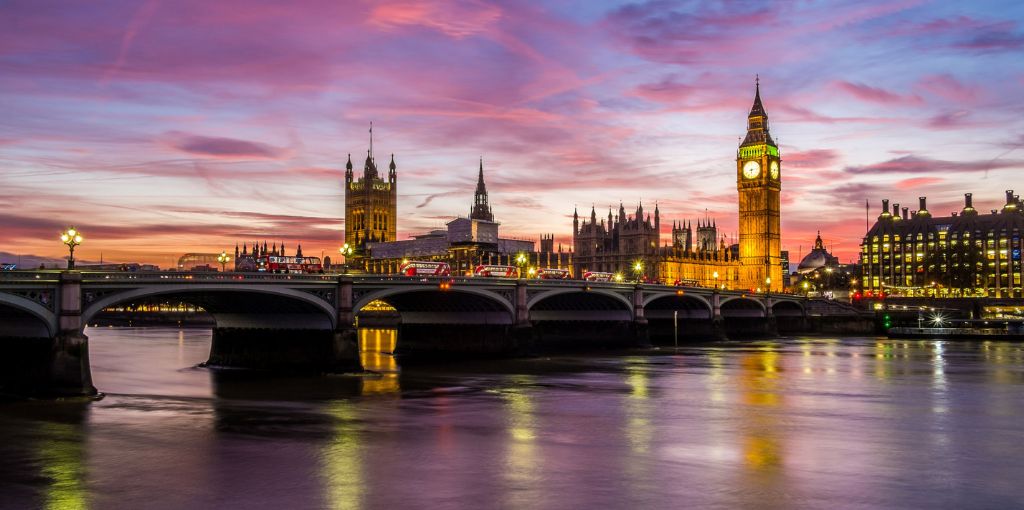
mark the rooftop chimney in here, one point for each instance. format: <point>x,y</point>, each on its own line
<point>1009,196</point>
<point>896,211</point>
<point>968,201</point>
<point>923,210</point>
<point>905,213</point>
<point>885,209</point>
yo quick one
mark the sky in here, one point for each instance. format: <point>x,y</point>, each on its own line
<point>165,127</point>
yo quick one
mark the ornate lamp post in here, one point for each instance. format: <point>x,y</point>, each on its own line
<point>767,286</point>
<point>521,262</point>
<point>223,258</point>
<point>715,276</point>
<point>638,269</point>
<point>345,252</point>
<point>71,237</point>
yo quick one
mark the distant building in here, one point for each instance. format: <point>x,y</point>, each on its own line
<point>198,261</point>
<point>464,243</point>
<point>371,204</point>
<point>964,254</point>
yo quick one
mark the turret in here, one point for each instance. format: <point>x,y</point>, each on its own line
<point>575,223</point>
<point>392,175</point>
<point>348,169</point>
<point>298,252</point>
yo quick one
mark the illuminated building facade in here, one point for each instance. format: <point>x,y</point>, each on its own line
<point>966,254</point>
<point>371,204</point>
<point>622,242</point>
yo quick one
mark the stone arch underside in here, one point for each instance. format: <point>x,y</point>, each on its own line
<point>242,308</point>
<point>580,305</point>
<point>687,306</point>
<point>22,317</point>
<point>452,306</point>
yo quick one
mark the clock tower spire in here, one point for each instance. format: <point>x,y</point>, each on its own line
<point>759,183</point>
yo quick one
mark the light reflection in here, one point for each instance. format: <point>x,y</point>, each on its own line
<point>759,373</point>
<point>376,348</point>
<point>521,460</point>
<point>62,459</point>
<point>638,425</point>
<point>342,459</point>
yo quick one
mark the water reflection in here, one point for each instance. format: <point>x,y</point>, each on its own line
<point>376,351</point>
<point>803,423</point>
<point>342,459</point>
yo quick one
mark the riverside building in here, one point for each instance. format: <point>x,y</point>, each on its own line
<point>965,254</point>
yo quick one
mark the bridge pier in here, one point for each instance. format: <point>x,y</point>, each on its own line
<point>641,329</point>
<point>717,322</point>
<point>54,366</point>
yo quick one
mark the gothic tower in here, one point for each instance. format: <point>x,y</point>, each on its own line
<point>371,204</point>
<point>759,182</point>
<point>481,209</point>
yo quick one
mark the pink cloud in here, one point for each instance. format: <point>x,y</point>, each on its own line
<point>875,94</point>
<point>916,164</point>
<point>949,88</point>
<point>918,182</point>
<point>225,148</point>
<point>812,159</point>
<point>455,18</point>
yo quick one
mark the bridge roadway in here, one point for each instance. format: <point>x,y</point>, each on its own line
<point>308,321</point>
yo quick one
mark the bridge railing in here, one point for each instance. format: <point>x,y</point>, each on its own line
<point>203,276</point>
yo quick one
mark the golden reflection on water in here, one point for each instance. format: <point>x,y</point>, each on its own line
<point>62,459</point>
<point>376,348</point>
<point>638,422</point>
<point>342,459</point>
<point>759,373</point>
<point>521,460</point>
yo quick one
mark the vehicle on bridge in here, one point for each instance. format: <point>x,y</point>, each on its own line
<point>686,283</point>
<point>282,264</point>
<point>548,273</point>
<point>425,268</point>
<point>494,271</point>
<point>597,276</point>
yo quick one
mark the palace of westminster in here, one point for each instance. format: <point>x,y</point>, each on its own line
<point>616,244</point>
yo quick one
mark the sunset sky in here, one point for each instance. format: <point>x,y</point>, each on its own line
<point>165,127</point>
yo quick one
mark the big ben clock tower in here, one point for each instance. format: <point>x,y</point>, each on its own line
<point>759,181</point>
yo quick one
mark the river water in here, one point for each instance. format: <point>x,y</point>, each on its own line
<point>793,423</point>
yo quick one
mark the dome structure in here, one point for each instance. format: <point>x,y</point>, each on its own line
<point>818,258</point>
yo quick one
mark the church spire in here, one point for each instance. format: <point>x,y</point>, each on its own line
<point>481,208</point>
<point>757,121</point>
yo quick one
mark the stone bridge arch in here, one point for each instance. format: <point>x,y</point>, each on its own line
<point>24,317</point>
<point>742,306</point>
<point>249,306</point>
<point>690,306</point>
<point>787,308</point>
<point>459,304</point>
<point>600,300</point>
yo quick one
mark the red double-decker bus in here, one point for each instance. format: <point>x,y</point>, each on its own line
<point>549,273</point>
<point>597,276</point>
<point>489,271</point>
<point>282,264</point>
<point>425,268</point>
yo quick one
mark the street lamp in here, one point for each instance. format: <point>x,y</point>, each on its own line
<point>71,237</point>
<point>804,285</point>
<point>638,269</point>
<point>223,258</point>
<point>521,262</point>
<point>715,276</point>
<point>767,285</point>
<point>346,252</point>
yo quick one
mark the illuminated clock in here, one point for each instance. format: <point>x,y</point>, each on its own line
<point>773,170</point>
<point>751,169</point>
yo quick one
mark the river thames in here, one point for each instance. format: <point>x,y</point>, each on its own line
<point>792,423</point>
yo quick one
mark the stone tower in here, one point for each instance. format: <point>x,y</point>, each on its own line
<point>759,182</point>
<point>371,204</point>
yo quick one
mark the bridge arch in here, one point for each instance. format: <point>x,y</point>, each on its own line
<point>580,304</point>
<point>251,306</point>
<point>742,306</point>
<point>456,305</point>
<point>788,308</point>
<point>24,317</point>
<point>689,306</point>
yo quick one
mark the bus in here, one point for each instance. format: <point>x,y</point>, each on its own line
<point>282,264</point>
<point>549,273</point>
<point>496,271</point>
<point>425,268</point>
<point>686,283</point>
<point>596,276</point>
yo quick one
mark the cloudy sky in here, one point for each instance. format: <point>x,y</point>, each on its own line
<point>164,127</point>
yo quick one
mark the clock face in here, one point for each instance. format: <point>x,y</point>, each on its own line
<point>773,170</point>
<point>751,169</point>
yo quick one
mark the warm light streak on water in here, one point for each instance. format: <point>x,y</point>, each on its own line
<point>794,423</point>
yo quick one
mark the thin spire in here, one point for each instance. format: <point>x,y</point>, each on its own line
<point>370,154</point>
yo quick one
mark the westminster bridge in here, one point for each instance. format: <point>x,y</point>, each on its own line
<point>306,322</point>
